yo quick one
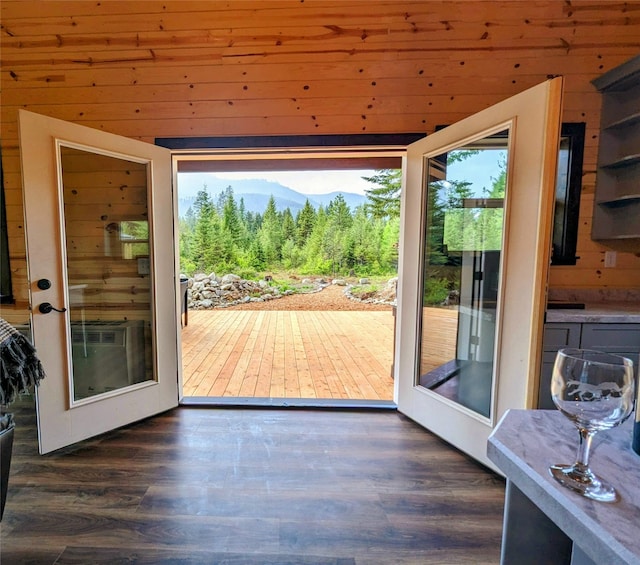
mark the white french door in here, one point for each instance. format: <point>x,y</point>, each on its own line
<point>475,252</point>
<point>102,272</point>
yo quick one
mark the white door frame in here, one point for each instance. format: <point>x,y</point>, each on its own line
<point>60,421</point>
<point>534,117</point>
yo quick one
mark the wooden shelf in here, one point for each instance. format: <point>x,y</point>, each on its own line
<point>624,122</point>
<point>620,201</point>
<point>614,216</point>
<point>626,161</point>
<point>623,237</point>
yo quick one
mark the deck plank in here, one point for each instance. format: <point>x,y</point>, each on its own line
<point>356,385</point>
<point>313,355</point>
<point>212,361</point>
<point>263,387</point>
<point>254,357</point>
<point>288,354</point>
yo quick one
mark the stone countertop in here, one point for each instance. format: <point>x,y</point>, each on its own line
<point>526,442</point>
<point>598,313</point>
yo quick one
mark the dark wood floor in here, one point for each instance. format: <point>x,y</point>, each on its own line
<point>208,486</point>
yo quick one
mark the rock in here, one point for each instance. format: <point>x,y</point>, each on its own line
<point>364,281</point>
<point>307,281</point>
<point>215,292</point>
<point>199,277</point>
<point>339,282</point>
<point>386,295</point>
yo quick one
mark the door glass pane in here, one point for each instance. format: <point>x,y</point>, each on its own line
<point>463,233</point>
<point>106,233</point>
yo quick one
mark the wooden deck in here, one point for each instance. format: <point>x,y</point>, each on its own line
<point>288,354</point>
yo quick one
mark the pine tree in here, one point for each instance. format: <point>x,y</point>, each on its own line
<point>270,233</point>
<point>312,252</point>
<point>257,259</point>
<point>203,203</point>
<point>288,225</point>
<point>214,255</point>
<point>222,198</point>
<point>305,220</point>
<point>492,219</point>
<point>231,218</point>
<point>339,214</point>
<point>203,230</point>
<point>334,242</point>
<point>389,238</point>
<point>384,199</point>
<point>362,241</point>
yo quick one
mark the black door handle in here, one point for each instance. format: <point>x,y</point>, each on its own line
<point>46,307</point>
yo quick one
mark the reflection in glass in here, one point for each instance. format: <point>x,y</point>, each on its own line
<point>463,232</point>
<point>106,236</point>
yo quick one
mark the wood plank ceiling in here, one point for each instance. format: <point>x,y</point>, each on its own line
<point>254,68</point>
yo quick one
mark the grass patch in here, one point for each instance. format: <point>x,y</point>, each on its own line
<point>369,289</point>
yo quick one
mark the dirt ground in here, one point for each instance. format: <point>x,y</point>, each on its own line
<point>331,297</point>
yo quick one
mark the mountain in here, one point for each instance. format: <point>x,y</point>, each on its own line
<point>352,199</point>
<point>255,193</point>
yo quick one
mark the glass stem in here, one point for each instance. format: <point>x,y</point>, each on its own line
<point>582,459</point>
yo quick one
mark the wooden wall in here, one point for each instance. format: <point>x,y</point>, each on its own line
<point>292,67</point>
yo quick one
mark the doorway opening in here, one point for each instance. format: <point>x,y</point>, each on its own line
<point>290,270</point>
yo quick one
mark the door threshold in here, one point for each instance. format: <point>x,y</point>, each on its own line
<point>306,403</point>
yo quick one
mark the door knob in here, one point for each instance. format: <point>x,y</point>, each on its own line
<point>46,307</point>
<point>44,284</point>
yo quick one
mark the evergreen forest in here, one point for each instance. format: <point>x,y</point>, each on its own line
<point>220,235</point>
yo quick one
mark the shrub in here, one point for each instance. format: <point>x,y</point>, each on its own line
<point>247,273</point>
<point>436,291</point>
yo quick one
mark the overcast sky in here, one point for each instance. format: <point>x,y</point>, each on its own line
<point>311,182</point>
<point>478,168</point>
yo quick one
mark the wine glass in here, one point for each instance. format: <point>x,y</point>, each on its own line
<point>595,391</point>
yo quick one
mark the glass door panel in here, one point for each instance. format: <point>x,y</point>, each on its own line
<point>109,345</point>
<point>106,244</point>
<point>475,246</point>
<point>462,243</point>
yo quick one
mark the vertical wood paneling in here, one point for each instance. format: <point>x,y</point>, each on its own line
<point>101,194</point>
<point>282,67</point>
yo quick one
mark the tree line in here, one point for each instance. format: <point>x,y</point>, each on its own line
<point>222,236</point>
